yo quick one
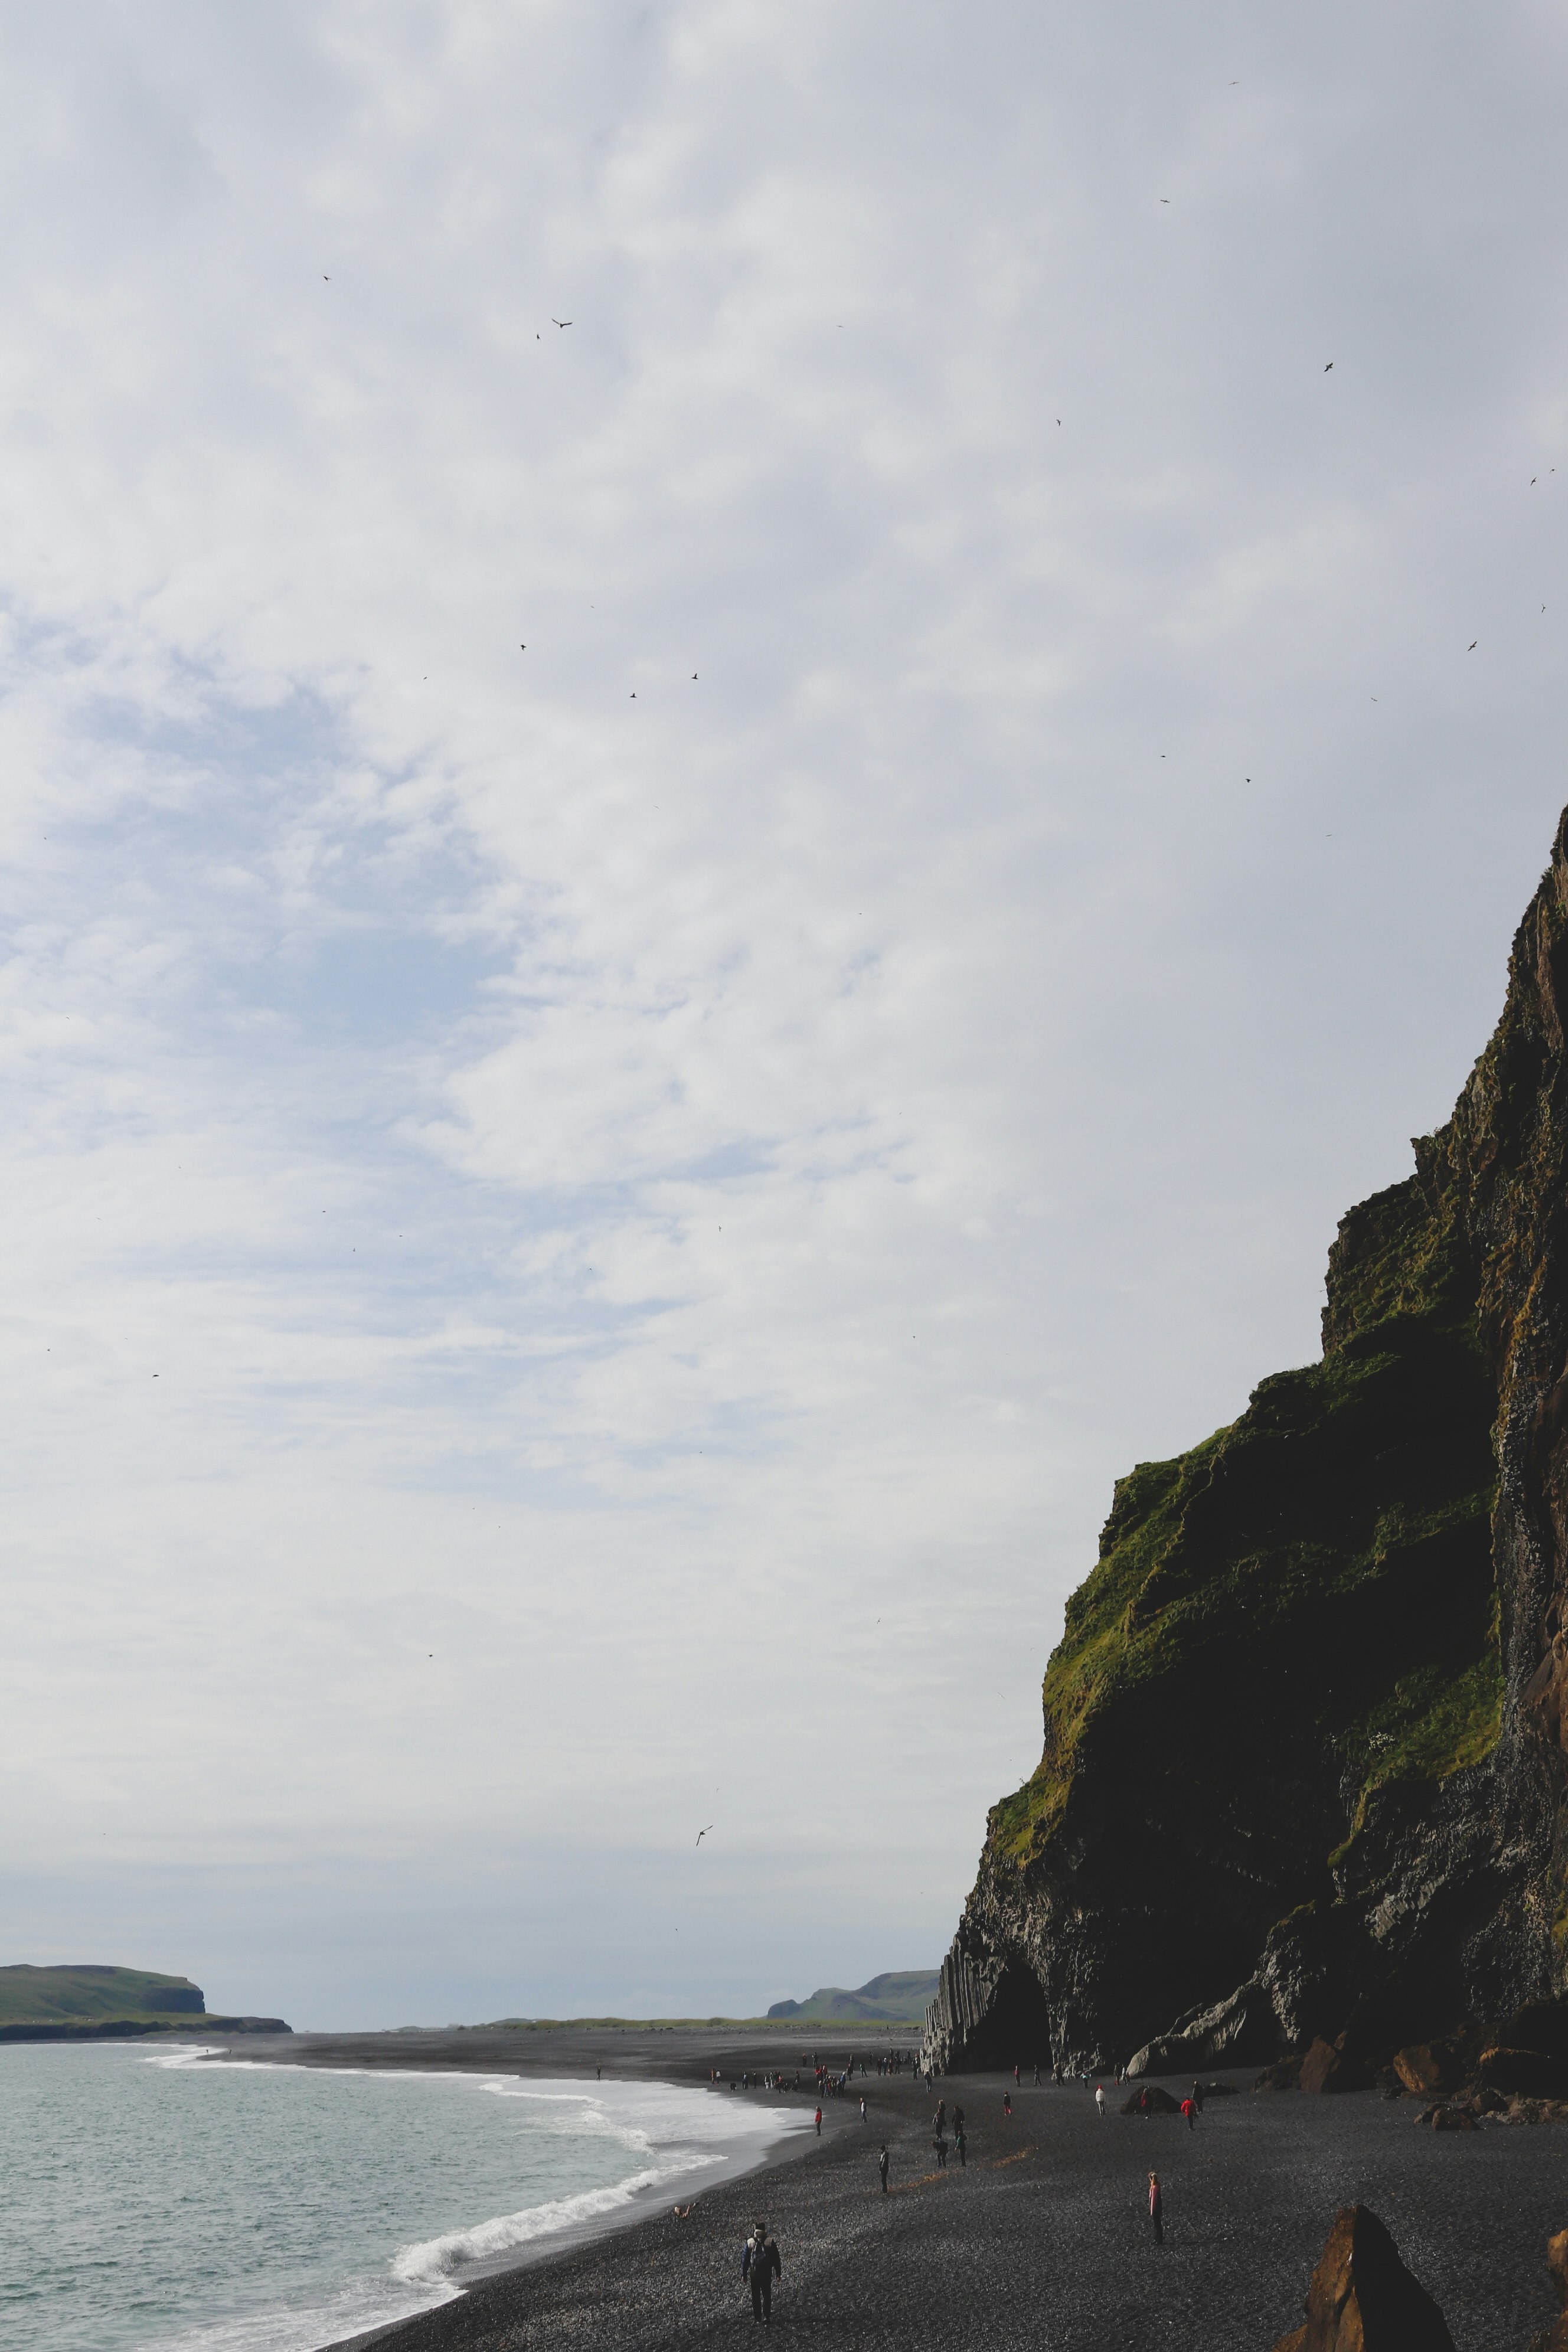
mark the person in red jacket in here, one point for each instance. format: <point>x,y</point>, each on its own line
<point>819,2123</point>
<point>1191,2112</point>
<point>1156,2208</point>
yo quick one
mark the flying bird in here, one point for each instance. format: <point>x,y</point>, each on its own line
<point>702,1833</point>
<point>1326,369</point>
<point>561,322</point>
<point>1473,644</point>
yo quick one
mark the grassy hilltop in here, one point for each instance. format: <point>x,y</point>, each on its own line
<point>90,2001</point>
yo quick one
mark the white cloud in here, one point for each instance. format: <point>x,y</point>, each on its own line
<point>678,1206</point>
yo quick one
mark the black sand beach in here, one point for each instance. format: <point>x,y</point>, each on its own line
<point>1043,2240</point>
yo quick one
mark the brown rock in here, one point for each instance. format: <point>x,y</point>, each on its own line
<point>1329,2066</point>
<point>1452,2119</point>
<point>1555,2337</point>
<point>1285,2075</point>
<point>1557,2264</point>
<point>1426,2070</point>
<point>1362,2299</point>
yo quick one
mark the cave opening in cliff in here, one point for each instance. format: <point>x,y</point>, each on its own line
<point>1018,2027</point>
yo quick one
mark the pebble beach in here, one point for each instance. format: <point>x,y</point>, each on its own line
<point>1043,2238</point>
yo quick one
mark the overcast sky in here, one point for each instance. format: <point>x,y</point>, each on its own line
<point>670,980</point>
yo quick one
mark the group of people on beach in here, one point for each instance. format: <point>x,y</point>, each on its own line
<point>761,2263</point>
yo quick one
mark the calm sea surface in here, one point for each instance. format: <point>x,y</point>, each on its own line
<point>174,2205</point>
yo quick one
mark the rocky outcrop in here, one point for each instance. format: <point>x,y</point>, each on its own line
<point>1555,2337</point>
<point>1362,2299</point>
<point>1305,1766</point>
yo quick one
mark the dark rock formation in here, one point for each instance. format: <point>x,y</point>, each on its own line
<point>1361,2297</point>
<point>1304,1764</point>
<point>1149,2099</point>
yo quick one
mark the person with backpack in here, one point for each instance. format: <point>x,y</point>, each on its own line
<point>759,2263</point>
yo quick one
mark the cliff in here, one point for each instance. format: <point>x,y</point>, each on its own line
<point>1303,1770</point>
<point>93,2002</point>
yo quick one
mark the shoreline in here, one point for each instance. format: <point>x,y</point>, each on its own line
<point>1043,2239</point>
<point>596,2059</point>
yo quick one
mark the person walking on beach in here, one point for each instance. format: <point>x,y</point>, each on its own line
<point>882,2165</point>
<point>1007,2102</point>
<point>1156,2208</point>
<point>862,2106</point>
<point>759,2263</point>
<point>819,2123</point>
<point>1191,2112</point>
<point>1099,2096</point>
<point>941,2116</point>
<point>940,2145</point>
<point>1015,2077</point>
<point>959,2141</point>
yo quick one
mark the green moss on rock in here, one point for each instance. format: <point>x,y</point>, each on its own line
<point>1332,1546</point>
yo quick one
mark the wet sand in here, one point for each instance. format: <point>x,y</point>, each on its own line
<point>1043,2240</point>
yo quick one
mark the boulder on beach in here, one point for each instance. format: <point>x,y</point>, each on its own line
<point>1151,2100</point>
<point>1452,2119</point>
<point>1285,2075</point>
<point>1332,2067</point>
<point>1429,2068</point>
<point>1523,2074</point>
<point>1362,2299</point>
<point>1555,2337</point>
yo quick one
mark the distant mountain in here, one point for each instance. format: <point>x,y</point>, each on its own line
<point>898,1997</point>
<point>92,2000</point>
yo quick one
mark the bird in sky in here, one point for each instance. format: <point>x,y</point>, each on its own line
<point>702,1833</point>
<point>1473,644</point>
<point>1164,200</point>
<point>561,322</point>
<point>1326,369</point>
<point>694,672</point>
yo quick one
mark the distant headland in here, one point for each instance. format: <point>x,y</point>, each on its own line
<point>91,2002</point>
<point>898,1997</point>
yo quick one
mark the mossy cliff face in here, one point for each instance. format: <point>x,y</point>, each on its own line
<point>1304,1763</point>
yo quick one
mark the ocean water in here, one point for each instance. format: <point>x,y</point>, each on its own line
<point>163,2202</point>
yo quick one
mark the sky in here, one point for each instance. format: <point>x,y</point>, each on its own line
<point>749,755</point>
